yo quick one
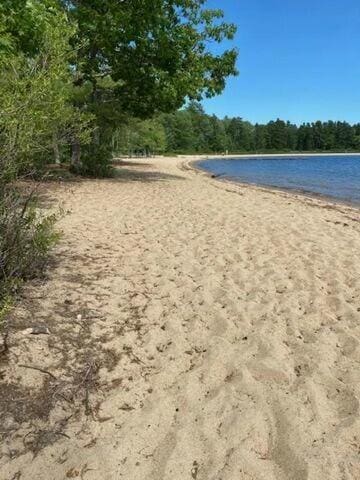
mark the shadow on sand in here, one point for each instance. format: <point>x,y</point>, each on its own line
<point>128,175</point>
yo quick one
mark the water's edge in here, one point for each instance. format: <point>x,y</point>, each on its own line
<point>334,201</point>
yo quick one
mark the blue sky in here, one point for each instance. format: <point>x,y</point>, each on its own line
<point>299,60</point>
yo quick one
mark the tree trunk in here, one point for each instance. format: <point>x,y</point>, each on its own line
<point>76,154</point>
<point>56,149</point>
<point>96,136</point>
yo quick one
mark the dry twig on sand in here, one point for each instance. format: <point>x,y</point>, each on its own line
<point>39,370</point>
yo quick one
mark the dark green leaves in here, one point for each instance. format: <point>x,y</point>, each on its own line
<point>156,51</point>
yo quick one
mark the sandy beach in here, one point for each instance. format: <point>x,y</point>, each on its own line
<point>198,330</point>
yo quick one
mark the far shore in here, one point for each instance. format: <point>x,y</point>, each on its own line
<point>200,156</point>
<point>255,155</point>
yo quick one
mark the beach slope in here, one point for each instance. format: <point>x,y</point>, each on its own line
<point>199,330</point>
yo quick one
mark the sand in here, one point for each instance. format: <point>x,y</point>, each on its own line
<point>198,330</point>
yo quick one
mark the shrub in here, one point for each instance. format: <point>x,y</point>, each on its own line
<point>26,236</point>
<point>95,161</point>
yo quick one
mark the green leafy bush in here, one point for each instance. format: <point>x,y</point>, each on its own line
<point>26,237</point>
<point>95,161</point>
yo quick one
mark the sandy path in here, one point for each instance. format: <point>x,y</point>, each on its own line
<point>224,322</point>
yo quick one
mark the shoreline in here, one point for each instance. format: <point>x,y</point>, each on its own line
<point>262,155</point>
<point>272,188</point>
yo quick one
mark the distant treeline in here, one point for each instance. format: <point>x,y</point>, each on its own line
<point>191,130</point>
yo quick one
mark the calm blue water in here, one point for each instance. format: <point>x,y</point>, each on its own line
<point>332,176</point>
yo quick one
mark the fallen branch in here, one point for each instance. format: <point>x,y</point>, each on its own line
<point>39,370</point>
<point>87,380</point>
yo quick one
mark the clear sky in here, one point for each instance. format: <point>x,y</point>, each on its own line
<point>299,60</point>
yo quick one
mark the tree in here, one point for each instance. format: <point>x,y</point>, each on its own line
<point>180,135</point>
<point>260,140</point>
<point>202,127</point>
<point>318,135</point>
<point>219,139</point>
<point>240,134</point>
<point>356,139</point>
<point>155,54</point>
<point>277,135</point>
<point>192,130</point>
<point>36,84</point>
<point>344,136</point>
<point>291,136</point>
<point>147,137</point>
<point>36,112</point>
<point>329,135</point>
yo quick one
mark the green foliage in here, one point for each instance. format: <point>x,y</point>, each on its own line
<point>36,112</point>
<point>151,136</point>
<point>240,134</point>
<point>144,57</point>
<point>26,238</point>
<point>180,135</point>
<point>96,161</point>
<point>156,51</point>
<point>36,91</point>
<point>139,137</point>
<point>191,130</point>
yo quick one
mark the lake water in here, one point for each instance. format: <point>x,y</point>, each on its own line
<point>332,175</point>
